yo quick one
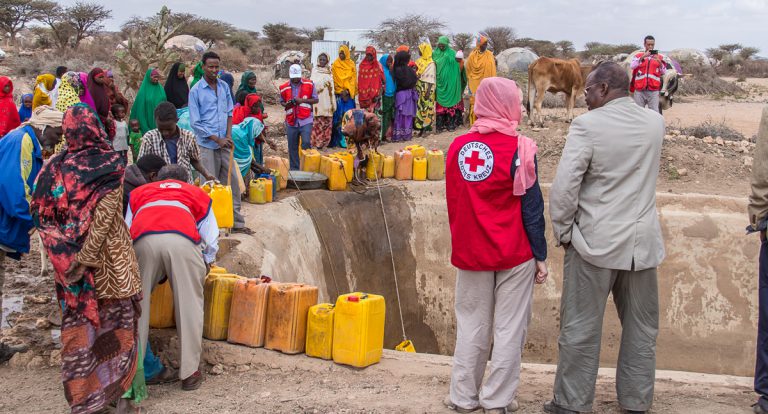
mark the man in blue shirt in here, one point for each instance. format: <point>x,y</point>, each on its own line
<point>210,113</point>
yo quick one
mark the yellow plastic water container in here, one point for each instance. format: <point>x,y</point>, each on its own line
<point>217,294</point>
<point>358,329</point>
<point>403,165</point>
<point>388,168</point>
<point>267,188</point>
<point>217,270</point>
<point>221,195</point>
<point>161,307</point>
<point>349,164</point>
<point>278,179</point>
<point>257,192</point>
<point>374,167</point>
<point>310,160</point>
<point>333,168</point>
<point>417,150</point>
<point>281,165</point>
<point>320,331</point>
<point>435,165</point>
<point>420,169</point>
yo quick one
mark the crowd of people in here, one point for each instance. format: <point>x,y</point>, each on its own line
<point>99,176</point>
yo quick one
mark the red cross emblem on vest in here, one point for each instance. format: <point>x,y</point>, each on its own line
<point>475,161</point>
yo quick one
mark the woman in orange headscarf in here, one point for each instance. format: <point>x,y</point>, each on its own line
<point>480,65</point>
<point>345,88</point>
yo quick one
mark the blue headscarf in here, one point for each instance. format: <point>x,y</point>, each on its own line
<point>24,112</point>
<point>230,80</point>
<point>390,87</point>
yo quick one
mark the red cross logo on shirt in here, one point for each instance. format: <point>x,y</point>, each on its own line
<point>474,161</point>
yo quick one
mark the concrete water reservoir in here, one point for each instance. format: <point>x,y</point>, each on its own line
<point>337,240</point>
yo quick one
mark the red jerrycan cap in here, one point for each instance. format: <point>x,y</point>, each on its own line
<point>353,299</point>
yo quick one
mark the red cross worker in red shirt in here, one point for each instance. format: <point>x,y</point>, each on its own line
<point>496,214</point>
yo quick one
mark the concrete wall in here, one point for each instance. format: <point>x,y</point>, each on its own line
<point>707,284</point>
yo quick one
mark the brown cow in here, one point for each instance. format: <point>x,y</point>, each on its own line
<point>554,75</point>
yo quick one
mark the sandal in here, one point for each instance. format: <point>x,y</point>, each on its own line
<point>243,230</point>
<point>167,375</point>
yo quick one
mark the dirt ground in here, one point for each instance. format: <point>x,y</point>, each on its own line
<point>689,165</point>
<point>277,383</point>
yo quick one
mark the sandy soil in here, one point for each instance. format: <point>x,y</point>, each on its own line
<point>399,384</point>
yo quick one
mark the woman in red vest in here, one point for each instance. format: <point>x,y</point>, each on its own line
<point>297,97</point>
<point>496,214</point>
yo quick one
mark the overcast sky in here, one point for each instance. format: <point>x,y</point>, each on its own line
<point>675,23</point>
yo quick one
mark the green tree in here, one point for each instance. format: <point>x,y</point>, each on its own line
<point>462,41</point>
<point>86,19</point>
<point>317,33</point>
<point>748,53</point>
<point>14,16</point>
<point>565,49</point>
<point>241,41</point>
<point>731,48</point>
<point>501,37</point>
<point>279,34</point>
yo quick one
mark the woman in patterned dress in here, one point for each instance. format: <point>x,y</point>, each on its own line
<point>77,207</point>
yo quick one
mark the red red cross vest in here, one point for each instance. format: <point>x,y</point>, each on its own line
<point>647,76</point>
<point>302,111</point>
<point>487,232</point>
<point>168,206</point>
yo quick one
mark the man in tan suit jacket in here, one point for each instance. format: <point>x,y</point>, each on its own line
<point>603,210</point>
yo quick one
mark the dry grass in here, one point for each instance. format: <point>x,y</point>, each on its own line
<point>710,128</point>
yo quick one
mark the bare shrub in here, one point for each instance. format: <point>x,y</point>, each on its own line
<point>709,85</point>
<point>711,128</point>
<point>233,59</point>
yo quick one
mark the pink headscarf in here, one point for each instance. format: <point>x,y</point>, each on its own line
<point>497,107</point>
<point>86,97</point>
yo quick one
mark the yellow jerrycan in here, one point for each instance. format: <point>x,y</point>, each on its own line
<point>320,331</point>
<point>223,209</point>
<point>267,188</point>
<point>310,161</point>
<point>349,164</point>
<point>217,300</point>
<point>417,150</point>
<point>435,165</point>
<point>161,307</point>
<point>333,168</point>
<point>406,346</point>
<point>420,169</point>
<point>358,329</point>
<point>374,167</point>
<point>388,167</point>
<point>217,270</point>
<point>257,192</point>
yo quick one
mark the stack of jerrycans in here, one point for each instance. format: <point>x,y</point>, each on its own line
<point>287,310</point>
<point>358,329</point>
<point>320,331</point>
<point>248,314</point>
<point>217,293</point>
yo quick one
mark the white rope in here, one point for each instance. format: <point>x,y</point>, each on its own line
<point>391,254</point>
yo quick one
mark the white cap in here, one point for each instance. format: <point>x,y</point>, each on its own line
<point>460,55</point>
<point>294,71</point>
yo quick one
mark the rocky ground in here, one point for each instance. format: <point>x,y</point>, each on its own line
<point>711,165</point>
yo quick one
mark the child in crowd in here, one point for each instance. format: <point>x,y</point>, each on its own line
<point>135,137</point>
<point>120,142</point>
<point>25,110</point>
